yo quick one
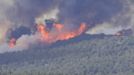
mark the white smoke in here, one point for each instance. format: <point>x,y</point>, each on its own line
<point>52,14</point>
<point>123,20</point>
<point>105,28</point>
<point>23,43</point>
<point>5,23</point>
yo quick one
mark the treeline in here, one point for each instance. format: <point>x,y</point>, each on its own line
<point>99,56</point>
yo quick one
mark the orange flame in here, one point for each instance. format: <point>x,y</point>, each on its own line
<point>52,36</point>
<point>12,42</point>
<point>64,35</point>
<point>82,28</point>
<point>58,26</point>
<point>69,35</point>
<point>43,31</point>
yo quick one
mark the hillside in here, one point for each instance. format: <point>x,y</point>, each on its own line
<point>84,55</point>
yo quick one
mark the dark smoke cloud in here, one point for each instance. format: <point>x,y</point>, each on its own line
<point>18,32</point>
<point>92,12</point>
<point>24,12</point>
<point>74,12</point>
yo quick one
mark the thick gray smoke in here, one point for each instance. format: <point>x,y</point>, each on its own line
<point>92,12</point>
<point>72,12</point>
<point>97,14</point>
<point>123,20</point>
<point>24,12</point>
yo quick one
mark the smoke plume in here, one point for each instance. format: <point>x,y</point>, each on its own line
<point>92,12</point>
<point>19,18</point>
<point>24,12</point>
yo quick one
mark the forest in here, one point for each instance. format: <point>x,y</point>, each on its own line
<point>108,55</point>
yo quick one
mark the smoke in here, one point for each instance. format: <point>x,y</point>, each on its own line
<point>18,32</point>
<point>106,28</point>
<point>123,20</point>
<point>24,12</point>
<point>92,12</point>
<point>19,18</point>
<point>4,21</point>
<point>130,14</point>
<point>23,43</point>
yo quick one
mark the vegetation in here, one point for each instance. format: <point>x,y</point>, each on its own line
<point>99,56</point>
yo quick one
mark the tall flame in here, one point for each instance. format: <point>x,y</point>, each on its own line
<point>82,28</point>
<point>43,31</point>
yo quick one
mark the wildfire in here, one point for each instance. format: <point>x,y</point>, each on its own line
<point>69,35</point>
<point>43,31</point>
<point>64,35</point>
<point>12,42</point>
<point>58,26</point>
<point>82,28</point>
<point>56,33</point>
